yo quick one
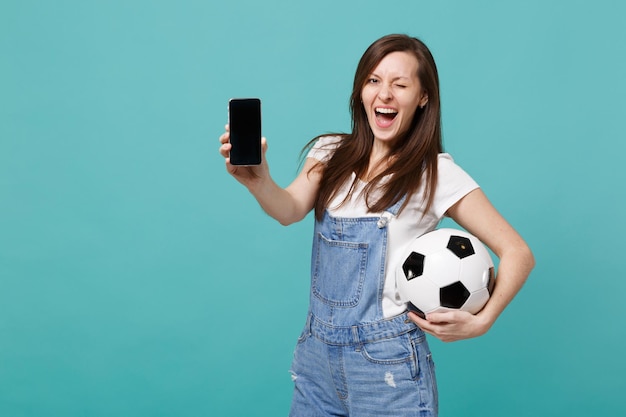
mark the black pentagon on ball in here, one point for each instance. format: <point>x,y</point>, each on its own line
<point>460,246</point>
<point>413,266</point>
<point>492,280</point>
<point>453,295</point>
<point>416,310</point>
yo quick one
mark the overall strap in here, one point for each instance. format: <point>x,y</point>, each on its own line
<point>390,212</point>
<point>394,209</point>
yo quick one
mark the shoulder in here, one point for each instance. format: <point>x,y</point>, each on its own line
<point>453,183</point>
<point>446,166</point>
<point>445,159</point>
<point>324,147</point>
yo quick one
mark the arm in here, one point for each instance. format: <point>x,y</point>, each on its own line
<point>286,205</point>
<point>477,215</point>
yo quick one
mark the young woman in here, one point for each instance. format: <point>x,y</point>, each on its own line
<point>373,190</point>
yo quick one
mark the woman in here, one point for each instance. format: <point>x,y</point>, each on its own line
<point>362,353</point>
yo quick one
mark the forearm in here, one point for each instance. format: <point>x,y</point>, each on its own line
<point>279,203</point>
<point>514,268</point>
<point>286,205</point>
<point>478,216</point>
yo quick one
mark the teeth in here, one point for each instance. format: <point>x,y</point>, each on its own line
<point>385,110</point>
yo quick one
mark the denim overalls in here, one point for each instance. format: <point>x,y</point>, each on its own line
<point>349,360</point>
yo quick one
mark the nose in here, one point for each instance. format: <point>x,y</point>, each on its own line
<point>385,92</point>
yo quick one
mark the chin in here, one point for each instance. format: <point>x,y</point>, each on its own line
<point>387,138</point>
<point>385,135</point>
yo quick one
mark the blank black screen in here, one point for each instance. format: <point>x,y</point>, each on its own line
<point>245,131</point>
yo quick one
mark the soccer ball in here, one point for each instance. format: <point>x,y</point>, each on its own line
<point>445,270</point>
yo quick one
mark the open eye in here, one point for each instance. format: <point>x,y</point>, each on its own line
<point>372,81</point>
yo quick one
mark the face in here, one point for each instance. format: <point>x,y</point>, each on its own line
<point>391,96</point>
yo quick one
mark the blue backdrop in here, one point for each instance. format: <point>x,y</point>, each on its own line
<point>137,278</point>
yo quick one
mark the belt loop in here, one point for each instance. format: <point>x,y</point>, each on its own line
<point>355,338</point>
<point>309,324</point>
<point>407,320</point>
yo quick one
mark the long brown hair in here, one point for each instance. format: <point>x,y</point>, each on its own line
<point>414,157</point>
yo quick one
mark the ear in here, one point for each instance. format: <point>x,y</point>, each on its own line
<point>423,100</point>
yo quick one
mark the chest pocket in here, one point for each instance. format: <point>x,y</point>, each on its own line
<point>339,271</point>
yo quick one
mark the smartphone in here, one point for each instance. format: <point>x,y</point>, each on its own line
<point>244,118</point>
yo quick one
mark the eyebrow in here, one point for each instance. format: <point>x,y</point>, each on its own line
<point>400,77</point>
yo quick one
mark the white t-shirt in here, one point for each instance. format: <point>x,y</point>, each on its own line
<point>452,184</point>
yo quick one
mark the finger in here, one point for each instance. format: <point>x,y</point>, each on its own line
<point>225,150</point>
<point>227,127</point>
<point>421,323</point>
<point>225,137</point>
<point>416,318</point>
<point>440,318</point>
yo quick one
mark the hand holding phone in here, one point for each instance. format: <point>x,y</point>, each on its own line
<point>244,118</point>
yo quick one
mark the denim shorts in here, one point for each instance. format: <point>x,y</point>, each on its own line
<point>389,376</point>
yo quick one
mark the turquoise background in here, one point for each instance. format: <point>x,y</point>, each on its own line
<point>138,279</point>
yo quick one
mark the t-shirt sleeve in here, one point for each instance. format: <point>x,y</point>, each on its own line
<point>323,149</point>
<point>453,183</point>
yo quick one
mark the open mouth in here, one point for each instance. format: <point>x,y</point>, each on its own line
<point>385,116</point>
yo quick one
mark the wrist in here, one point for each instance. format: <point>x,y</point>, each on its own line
<point>259,183</point>
<point>485,321</point>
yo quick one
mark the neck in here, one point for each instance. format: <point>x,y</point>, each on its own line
<point>380,149</point>
<point>379,161</point>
